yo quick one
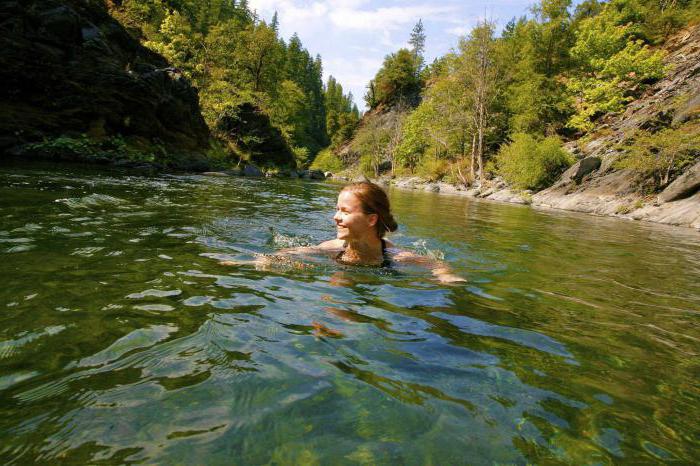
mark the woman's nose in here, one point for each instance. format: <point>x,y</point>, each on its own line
<point>336,217</point>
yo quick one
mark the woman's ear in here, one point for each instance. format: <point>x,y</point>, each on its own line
<point>373,219</point>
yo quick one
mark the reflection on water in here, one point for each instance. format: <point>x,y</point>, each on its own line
<point>123,340</point>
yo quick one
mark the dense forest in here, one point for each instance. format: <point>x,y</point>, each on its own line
<point>245,72</point>
<point>503,104</point>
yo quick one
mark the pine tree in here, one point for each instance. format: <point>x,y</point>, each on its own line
<point>275,23</point>
<point>417,43</point>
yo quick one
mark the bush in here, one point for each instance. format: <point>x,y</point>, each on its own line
<point>432,169</point>
<point>368,166</point>
<point>460,172</point>
<point>327,161</point>
<point>662,155</point>
<point>220,156</point>
<point>529,163</point>
<point>83,148</point>
<point>301,156</point>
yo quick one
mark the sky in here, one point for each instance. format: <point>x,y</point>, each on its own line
<point>354,36</point>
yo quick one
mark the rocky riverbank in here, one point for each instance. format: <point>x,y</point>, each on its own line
<point>596,183</point>
<point>680,212</point>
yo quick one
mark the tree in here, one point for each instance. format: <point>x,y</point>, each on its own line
<point>274,24</point>
<point>612,65</point>
<point>397,81</point>
<point>417,42</point>
<point>341,119</point>
<point>257,55</point>
<point>479,70</point>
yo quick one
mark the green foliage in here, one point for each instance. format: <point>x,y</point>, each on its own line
<point>535,100</point>
<point>220,156</point>
<point>83,148</point>
<point>371,142</point>
<point>397,81</point>
<point>417,43</point>
<point>342,115</point>
<point>531,163</point>
<point>368,165</point>
<point>327,161</point>
<point>556,71</point>
<point>233,57</point>
<point>432,169</point>
<point>414,142</point>
<point>301,156</point>
<point>662,155</point>
<point>613,64</point>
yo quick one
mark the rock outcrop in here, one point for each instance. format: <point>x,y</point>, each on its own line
<point>683,186</point>
<point>68,68</point>
<point>595,185</point>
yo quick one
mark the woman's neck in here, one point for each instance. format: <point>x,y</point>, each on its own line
<point>364,252</point>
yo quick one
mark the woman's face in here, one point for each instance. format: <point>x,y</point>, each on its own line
<point>351,222</point>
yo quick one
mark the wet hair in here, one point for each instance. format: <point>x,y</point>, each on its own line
<point>374,200</point>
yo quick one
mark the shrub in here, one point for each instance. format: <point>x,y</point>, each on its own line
<point>219,155</point>
<point>529,163</point>
<point>327,161</point>
<point>301,155</point>
<point>83,148</point>
<point>432,169</point>
<point>460,172</point>
<point>662,155</point>
<point>368,166</point>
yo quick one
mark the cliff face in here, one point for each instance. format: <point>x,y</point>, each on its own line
<point>68,68</point>
<point>596,185</point>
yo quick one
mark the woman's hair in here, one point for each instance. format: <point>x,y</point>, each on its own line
<point>374,200</point>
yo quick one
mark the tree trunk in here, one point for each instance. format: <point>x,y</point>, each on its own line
<point>473,158</point>
<point>481,154</point>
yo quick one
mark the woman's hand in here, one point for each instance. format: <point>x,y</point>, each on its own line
<point>260,262</point>
<point>440,271</point>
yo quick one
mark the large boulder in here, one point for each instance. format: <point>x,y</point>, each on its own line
<point>252,171</point>
<point>585,167</point>
<point>684,186</point>
<point>68,68</point>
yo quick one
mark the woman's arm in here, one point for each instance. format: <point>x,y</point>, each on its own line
<point>439,269</point>
<point>265,261</point>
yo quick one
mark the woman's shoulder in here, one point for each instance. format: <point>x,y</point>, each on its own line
<point>331,244</point>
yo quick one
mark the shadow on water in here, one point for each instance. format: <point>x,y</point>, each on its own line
<point>123,340</point>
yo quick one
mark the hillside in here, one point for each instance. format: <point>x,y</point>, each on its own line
<point>608,190</point>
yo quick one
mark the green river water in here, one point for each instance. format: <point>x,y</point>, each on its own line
<point>122,339</point>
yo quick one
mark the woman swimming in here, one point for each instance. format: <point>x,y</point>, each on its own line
<point>362,218</point>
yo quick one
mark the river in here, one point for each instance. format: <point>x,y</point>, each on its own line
<point>123,340</point>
